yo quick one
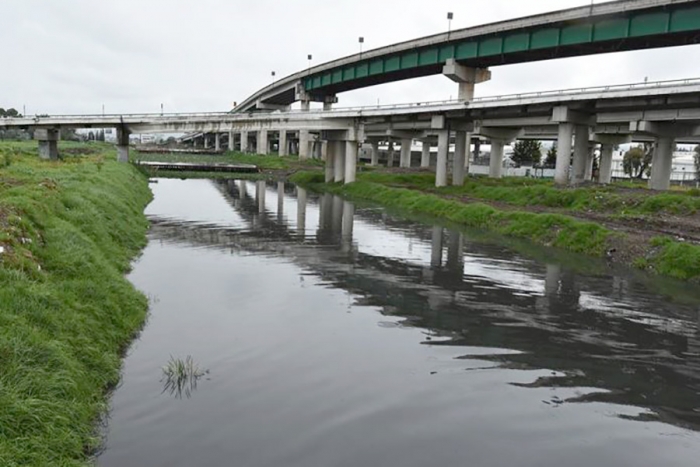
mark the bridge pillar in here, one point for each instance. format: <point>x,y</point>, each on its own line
<point>48,144</point>
<point>217,141</point>
<point>591,159</point>
<point>375,154</point>
<point>425,154</point>
<point>443,149</point>
<point>338,161</point>
<point>231,140</point>
<point>662,163</point>
<point>606,156</point>
<point>304,145</point>
<point>405,160</point>
<point>390,154</point>
<point>496,160</point>
<point>244,141</point>
<point>263,143</point>
<point>327,106</point>
<point>581,154</point>
<point>466,77</point>
<point>564,146</point>
<point>460,158</point>
<point>351,153</point>
<point>122,145</point>
<point>282,148</point>
<point>330,161</point>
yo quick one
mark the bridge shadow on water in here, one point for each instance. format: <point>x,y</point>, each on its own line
<point>603,335</point>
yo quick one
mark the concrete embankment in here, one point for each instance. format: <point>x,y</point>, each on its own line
<point>68,233</point>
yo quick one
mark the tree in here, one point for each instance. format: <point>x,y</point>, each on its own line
<point>12,113</point>
<point>637,161</point>
<point>527,152</point>
<point>551,160</point>
<point>2,112</point>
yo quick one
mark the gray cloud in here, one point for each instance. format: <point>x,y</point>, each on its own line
<point>73,56</point>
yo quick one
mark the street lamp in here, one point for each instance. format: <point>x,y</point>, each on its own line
<point>309,58</point>
<point>273,75</point>
<point>450,17</point>
<point>361,40</point>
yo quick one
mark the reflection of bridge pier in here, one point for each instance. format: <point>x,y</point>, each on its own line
<point>280,202</point>
<point>455,252</point>
<point>347,227</point>
<point>436,248</point>
<point>301,212</point>
<point>260,195</point>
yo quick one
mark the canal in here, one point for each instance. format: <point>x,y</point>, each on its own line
<point>340,335</point>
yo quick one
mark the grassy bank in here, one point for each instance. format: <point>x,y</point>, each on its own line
<point>68,231</point>
<point>411,193</point>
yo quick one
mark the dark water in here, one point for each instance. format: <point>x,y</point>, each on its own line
<point>342,336</point>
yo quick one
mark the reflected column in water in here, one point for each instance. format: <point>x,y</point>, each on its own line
<point>337,222</point>
<point>455,252</point>
<point>325,217</point>
<point>348,221</point>
<point>436,248</point>
<point>280,202</point>
<point>301,211</point>
<point>260,195</point>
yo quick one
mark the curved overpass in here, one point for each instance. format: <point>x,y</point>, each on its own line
<point>610,27</point>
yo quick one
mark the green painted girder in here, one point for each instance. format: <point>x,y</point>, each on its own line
<point>671,25</point>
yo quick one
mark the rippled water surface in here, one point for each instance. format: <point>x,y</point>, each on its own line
<point>337,335</point>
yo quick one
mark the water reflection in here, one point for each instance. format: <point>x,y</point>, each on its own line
<point>604,336</point>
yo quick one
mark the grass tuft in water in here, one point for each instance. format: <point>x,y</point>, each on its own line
<point>180,376</point>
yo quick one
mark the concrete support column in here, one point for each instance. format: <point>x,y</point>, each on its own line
<point>477,148</point>
<point>425,155</point>
<point>283,148</point>
<point>205,141</point>
<point>244,141</point>
<point>460,158</point>
<point>318,150</point>
<point>327,106</point>
<point>122,145</point>
<point>231,140</point>
<point>375,154</point>
<point>217,141</point>
<point>436,248</point>
<point>390,154</point>
<point>351,154</point>
<point>305,106</point>
<point>662,164</point>
<point>304,145</point>
<point>48,145</point>
<point>339,164</point>
<point>330,161</point>
<point>589,162</point>
<point>561,172</point>
<point>301,212</point>
<point>405,161</point>
<point>580,154</point>
<point>606,156</point>
<point>443,149</point>
<point>263,142</point>
<point>496,160</point>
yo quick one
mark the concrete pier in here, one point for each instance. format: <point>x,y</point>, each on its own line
<point>405,161</point>
<point>390,154</point>
<point>244,141</point>
<point>351,153</point>
<point>606,156</point>
<point>564,146</point>
<point>283,147</point>
<point>339,164</point>
<point>217,141</point>
<point>304,145</point>
<point>443,149</point>
<point>48,144</point>
<point>580,154</point>
<point>263,145</point>
<point>460,158</point>
<point>375,154</point>
<point>122,145</point>
<point>231,141</point>
<point>662,163</point>
<point>425,155</point>
<point>330,162</point>
<point>496,161</point>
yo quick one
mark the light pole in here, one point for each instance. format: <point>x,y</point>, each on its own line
<point>450,17</point>
<point>361,40</point>
<point>273,76</point>
<point>309,58</point>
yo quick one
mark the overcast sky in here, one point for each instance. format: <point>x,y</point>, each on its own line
<point>73,56</point>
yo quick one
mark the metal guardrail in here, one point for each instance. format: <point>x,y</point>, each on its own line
<point>505,97</point>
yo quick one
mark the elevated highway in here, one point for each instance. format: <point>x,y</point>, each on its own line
<point>465,55</point>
